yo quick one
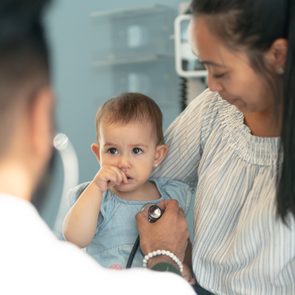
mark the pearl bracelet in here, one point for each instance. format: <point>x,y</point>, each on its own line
<point>152,254</point>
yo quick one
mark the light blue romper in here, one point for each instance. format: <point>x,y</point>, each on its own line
<point>116,229</point>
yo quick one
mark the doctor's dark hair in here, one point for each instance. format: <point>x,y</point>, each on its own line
<point>24,64</point>
<point>253,26</point>
<point>131,107</point>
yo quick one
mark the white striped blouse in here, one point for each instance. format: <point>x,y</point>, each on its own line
<point>240,246</point>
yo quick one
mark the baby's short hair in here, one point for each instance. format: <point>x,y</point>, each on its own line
<point>131,106</point>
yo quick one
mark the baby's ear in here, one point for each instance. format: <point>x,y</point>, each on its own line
<point>161,152</point>
<point>96,151</point>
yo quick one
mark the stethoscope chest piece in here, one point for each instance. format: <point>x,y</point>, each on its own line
<point>154,213</point>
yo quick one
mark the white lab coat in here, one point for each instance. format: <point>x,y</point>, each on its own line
<point>33,261</point>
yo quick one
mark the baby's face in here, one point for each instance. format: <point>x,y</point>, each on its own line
<point>132,148</point>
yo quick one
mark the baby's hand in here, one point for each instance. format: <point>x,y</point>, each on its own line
<point>109,176</point>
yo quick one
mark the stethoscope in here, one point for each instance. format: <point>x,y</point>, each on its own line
<point>154,213</point>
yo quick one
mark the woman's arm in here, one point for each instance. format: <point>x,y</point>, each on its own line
<point>185,138</point>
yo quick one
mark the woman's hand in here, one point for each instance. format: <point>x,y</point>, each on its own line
<point>168,233</point>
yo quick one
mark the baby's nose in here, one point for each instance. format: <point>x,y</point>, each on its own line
<point>124,164</point>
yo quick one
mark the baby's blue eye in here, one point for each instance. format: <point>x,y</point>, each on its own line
<point>113,151</point>
<point>137,150</point>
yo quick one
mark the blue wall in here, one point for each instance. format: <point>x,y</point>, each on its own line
<point>79,87</point>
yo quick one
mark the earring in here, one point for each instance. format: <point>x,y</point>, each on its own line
<point>281,70</point>
<point>155,165</point>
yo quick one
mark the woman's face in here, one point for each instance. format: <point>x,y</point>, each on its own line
<point>229,72</point>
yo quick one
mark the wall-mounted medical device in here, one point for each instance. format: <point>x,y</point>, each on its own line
<point>187,65</point>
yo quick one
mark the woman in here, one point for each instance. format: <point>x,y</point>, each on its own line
<point>235,145</point>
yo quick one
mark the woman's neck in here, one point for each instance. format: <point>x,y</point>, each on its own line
<point>264,124</point>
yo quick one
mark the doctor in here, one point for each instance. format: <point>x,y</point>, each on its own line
<point>32,260</point>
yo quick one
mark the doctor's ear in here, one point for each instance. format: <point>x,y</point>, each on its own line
<point>41,122</point>
<point>96,151</point>
<point>161,152</point>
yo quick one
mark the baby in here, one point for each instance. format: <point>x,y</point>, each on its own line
<point>129,146</point>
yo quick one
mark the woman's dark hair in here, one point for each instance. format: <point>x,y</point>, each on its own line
<point>254,25</point>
